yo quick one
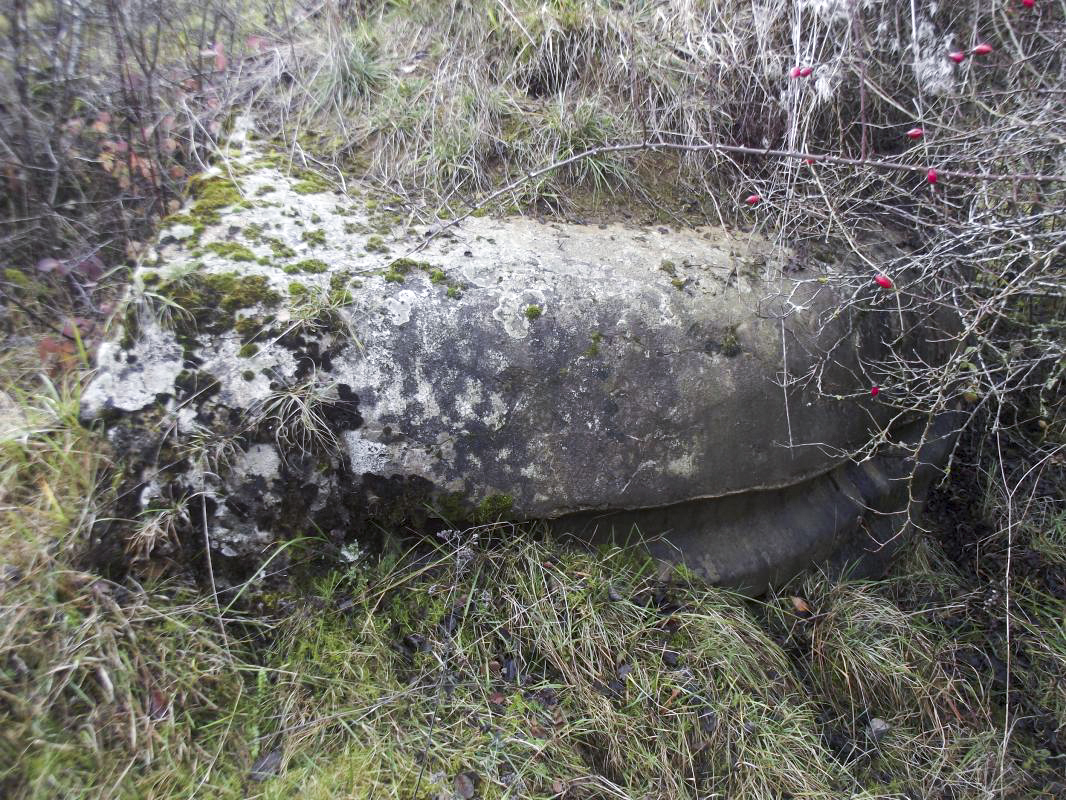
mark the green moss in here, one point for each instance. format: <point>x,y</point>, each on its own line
<point>297,289</point>
<point>437,276</point>
<point>340,297</point>
<point>249,291</point>
<point>315,219</point>
<point>270,161</point>
<point>678,283</point>
<point>314,266</point>
<point>493,508</point>
<point>593,349</point>
<point>315,238</point>
<point>231,250</point>
<point>375,244</point>
<point>253,232</point>
<point>265,189</point>
<point>730,344</point>
<point>533,312</point>
<point>212,195</point>
<point>405,265</point>
<point>197,225</point>
<point>248,375</point>
<point>399,269</point>
<point>248,350</point>
<point>454,293</point>
<point>251,326</point>
<point>340,286</point>
<point>150,278</point>
<point>213,299</point>
<point>311,183</point>
<point>353,228</point>
<point>279,248</point>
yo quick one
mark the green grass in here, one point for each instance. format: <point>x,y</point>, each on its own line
<point>495,658</point>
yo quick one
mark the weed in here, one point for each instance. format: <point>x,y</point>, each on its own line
<point>295,416</point>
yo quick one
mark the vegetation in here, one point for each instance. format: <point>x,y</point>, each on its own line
<point>495,662</point>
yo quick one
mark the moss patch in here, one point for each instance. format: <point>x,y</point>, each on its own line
<point>314,266</point>
<point>533,312</point>
<point>593,349</point>
<point>212,195</point>
<point>279,248</point>
<point>493,508</point>
<point>197,225</point>
<point>253,232</point>
<point>311,183</point>
<point>234,251</point>
<point>375,244</point>
<point>315,237</point>
<point>212,299</point>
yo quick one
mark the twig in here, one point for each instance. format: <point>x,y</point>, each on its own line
<point>715,147</point>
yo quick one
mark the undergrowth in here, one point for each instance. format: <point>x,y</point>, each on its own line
<point>493,662</point>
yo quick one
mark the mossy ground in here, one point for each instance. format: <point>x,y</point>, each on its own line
<point>497,659</point>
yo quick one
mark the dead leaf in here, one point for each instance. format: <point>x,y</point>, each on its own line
<point>220,57</point>
<point>102,122</point>
<point>801,606</point>
<point>158,705</point>
<point>57,353</point>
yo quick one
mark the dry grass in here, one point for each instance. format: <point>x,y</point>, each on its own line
<point>496,662</point>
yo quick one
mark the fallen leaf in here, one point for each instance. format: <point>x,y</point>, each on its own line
<point>158,705</point>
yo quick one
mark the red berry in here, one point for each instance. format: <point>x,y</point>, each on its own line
<point>915,133</point>
<point>808,161</point>
<point>883,281</point>
<point>795,72</point>
<point>805,71</point>
<point>1028,3</point>
<point>982,49</point>
<point>957,56</point>
<point>931,176</point>
<point>874,391</point>
<point>752,199</point>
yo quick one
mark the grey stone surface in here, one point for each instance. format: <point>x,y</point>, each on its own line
<point>509,365</point>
